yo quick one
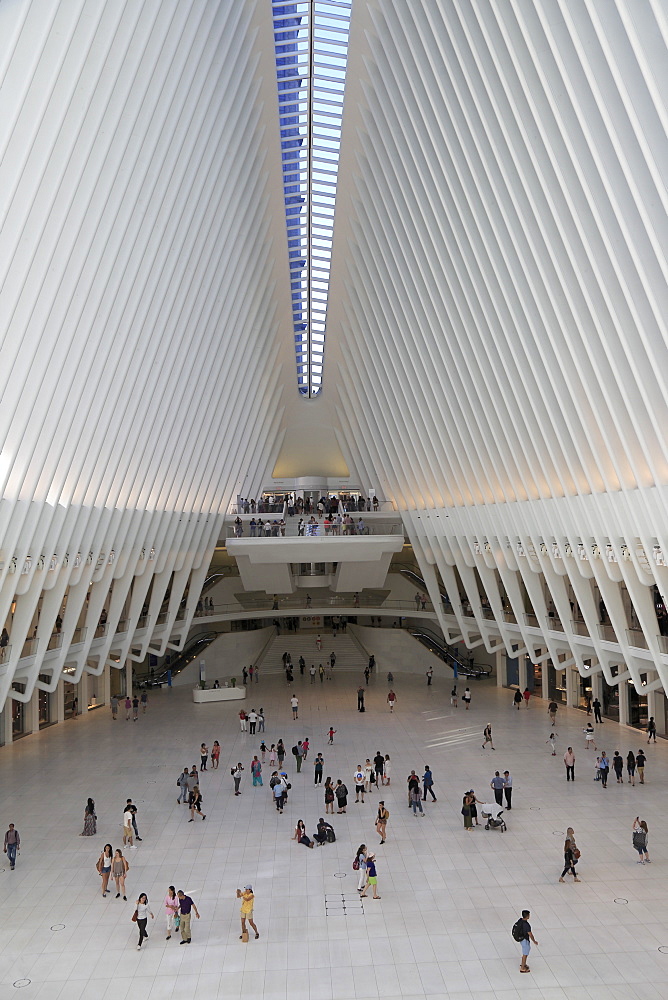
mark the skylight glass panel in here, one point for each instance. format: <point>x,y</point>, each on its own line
<point>311,44</point>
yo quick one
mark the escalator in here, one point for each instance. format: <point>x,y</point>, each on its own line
<point>194,649</point>
<point>436,645</point>
<point>419,582</point>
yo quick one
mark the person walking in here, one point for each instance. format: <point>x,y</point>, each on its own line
<point>378,764</point>
<point>526,696</point>
<point>596,705</point>
<point>276,786</point>
<point>360,865</point>
<point>430,674</point>
<point>453,696</point>
<point>360,699</point>
<point>144,702</point>
<point>487,733</point>
<point>569,761</point>
<point>182,785</point>
<point>391,699</point>
<point>428,784</point>
<point>651,729</point>
<point>467,803</point>
<point>186,908</point>
<point>604,768</point>
<point>569,859</point>
<point>260,714</point>
<point>466,698</point>
<point>640,840</point>
<point>497,785</point>
<point>552,712</point>
<point>312,673</point>
<point>318,765</point>
<point>171,911</point>
<point>247,898</point>
<point>90,820</point>
<point>129,805</point>
<point>618,766</point>
<point>256,771</point>
<point>193,780</point>
<point>305,747</point>
<point>236,773</point>
<point>358,781</point>
<point>508,789</point>
<point>331,734</point>
<point>341,793</point>
<point>517,699</point>
<point>141,914</point>
<point>119,869</point>
<point>412,781</point>
<point>280,753</point>
<point>294,702</point>
<point>552,741</point>
<point>366,675</point>
<point>195,803</point>
<point>387,770</point>
<point>590,739</point>
<point>215,755</point>
<point>522,934</point>
<point>371,876</point>
<point>128,708</point>
<point>631,767</point>
<point>298,755</point>
<point>135,708</point>
<point>242,721</point>
<point>329,796</point>
<point>252,721</point>
<point>381,821</point>
<point>114,707</point>
<point>415,800</point>
<point>203,756</point>
<point>127,827</point>
<point>368,774</point>
<point>103,866</point>
<point>641,760</point>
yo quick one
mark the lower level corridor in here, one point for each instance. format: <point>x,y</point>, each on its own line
<point>442,927</point>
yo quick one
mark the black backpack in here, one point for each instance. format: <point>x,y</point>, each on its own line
<point>518,930</point>
<point>295,750</point>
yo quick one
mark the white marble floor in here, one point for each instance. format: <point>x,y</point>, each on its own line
<point>449,899</point>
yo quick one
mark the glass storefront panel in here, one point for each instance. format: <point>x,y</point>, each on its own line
<point>610,700</point>
<point>638,714</point>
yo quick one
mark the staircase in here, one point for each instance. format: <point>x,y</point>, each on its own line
<point>350,654</point>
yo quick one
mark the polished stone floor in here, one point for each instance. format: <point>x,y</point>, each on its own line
<point>449,899</point>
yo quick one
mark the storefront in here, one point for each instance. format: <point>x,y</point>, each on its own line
<point>44,703</point>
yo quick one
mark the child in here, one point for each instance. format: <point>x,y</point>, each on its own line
<point>263,749</point>
<point>331,736</point>
<point>272,754</point>
<point>597,769</point>
<point>305,746</point>
<point>552,742</point>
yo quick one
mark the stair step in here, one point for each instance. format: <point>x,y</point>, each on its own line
<point>350,655</point>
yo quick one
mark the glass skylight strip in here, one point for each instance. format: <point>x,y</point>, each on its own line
<point>311,45</point>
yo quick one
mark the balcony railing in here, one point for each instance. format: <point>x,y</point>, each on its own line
<point>30,647</point>
<point>554,624</point>
<point>607,633</point>
<point>580,628</point>
<point>636,637</point>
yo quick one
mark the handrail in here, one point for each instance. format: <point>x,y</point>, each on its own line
<point>440,648</point>
<point>259,659</point>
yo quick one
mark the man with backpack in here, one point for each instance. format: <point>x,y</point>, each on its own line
<point>298,755</point>
<point>522,934</point>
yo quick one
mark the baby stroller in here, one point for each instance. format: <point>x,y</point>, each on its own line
<point>493,816</point>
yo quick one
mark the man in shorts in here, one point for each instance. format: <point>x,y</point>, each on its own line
<point>358,779</point>
<point>247,898</point>
<point>526,941</point>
